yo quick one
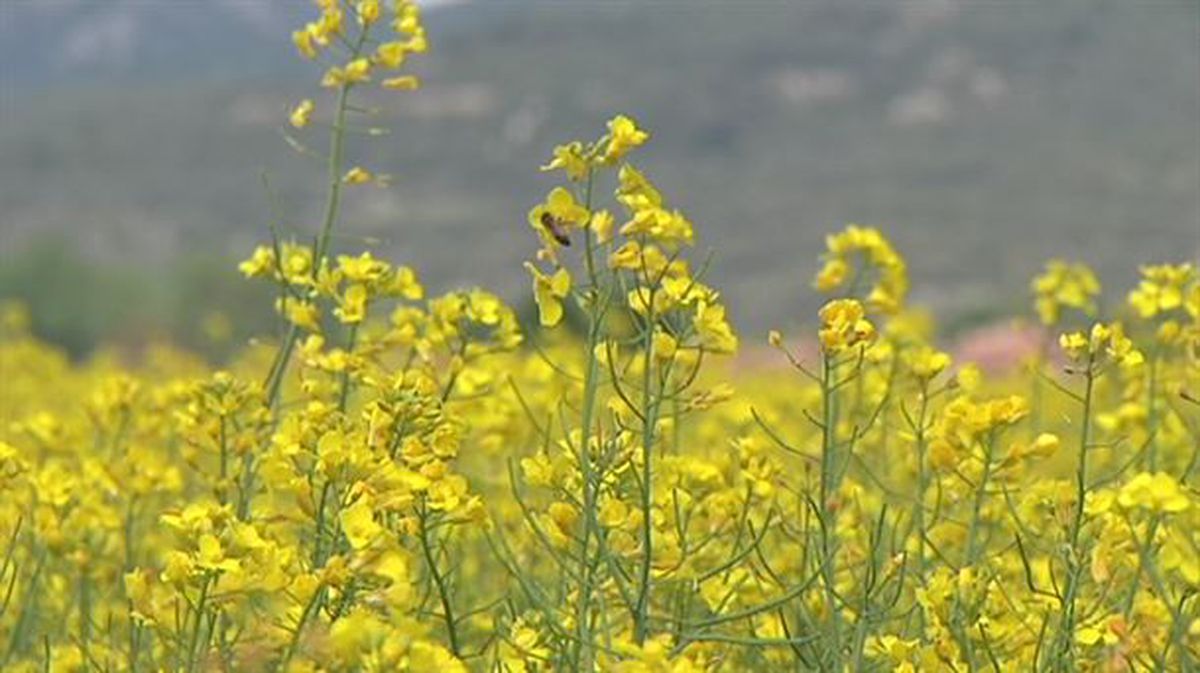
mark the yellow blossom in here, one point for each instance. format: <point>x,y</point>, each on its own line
<point>358,523</point>
<point>1157,491</point>
<point>402,83</point>
<point>623,136</point>
<point>301,114</point>
<point>549,291</point>
<point>844,325</point>
<point>357,176</point>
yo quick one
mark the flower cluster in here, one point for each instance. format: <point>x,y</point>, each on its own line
<point>1105,342</point>
<point>844,325</point>
<point>859,259</point>
<point>329,33</point>
<point>1064,285</point>
<point>644,255</point>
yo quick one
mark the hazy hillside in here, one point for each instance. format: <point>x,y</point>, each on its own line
<point>984,136</point>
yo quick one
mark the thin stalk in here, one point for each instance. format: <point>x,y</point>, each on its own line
<point>587,413</point>
<point>333,169</point>
<point>440,583</point>
<point>199,615</point>
<point>828,518</point>
<point>922,487</point>
<point>344,395</point>
<point>1066,633</point>
<point>1151,413</point>
<point>650,403</point>
<point>295,639</point>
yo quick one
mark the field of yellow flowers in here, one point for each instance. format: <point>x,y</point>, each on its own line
<point>403,483</point>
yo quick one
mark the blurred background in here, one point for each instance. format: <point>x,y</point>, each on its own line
<point>983,136</point>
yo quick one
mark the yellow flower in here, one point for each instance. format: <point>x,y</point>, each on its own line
<point>1074,345</point>
<point>665,346</point>
<point>358,524</point>
<point>404,284</point>
<point>178,568</point>
<point>832,275</point>
<point>417,43</point>
<point>570,158</point>
<point>330,22</point>
<point>927,362</point>
<point>844,325</point>
<point>448,493</point>
<point>1104,340</point>
<point>667,226</point>
<point>613,513</point>
<point>1005,410</point>
<point>538,470</point>
<point>1046,444</point>
<point>526,648</point>
<point>1063,284</point>
<point>1162,289</point>
<point>367,11</point>
<point>352,306</point>
<point>408,19</point>
<point>628,256</point>
<point>716,335</point>
<point>362,269</point>
<point>356,71</point>
<point>210,555</point>
<point>564,516</point>
<point>260,263</point>
<point>1159,492</point>
<point>303,39</point>
<point>1121,348</point>
<point>634,191</point>
<point>548,292</point>
<point>623,135</point>
<point>559,212</point>
<point>390,54</point>
<point>357,176</point>
<point>301,313</point>
<point>402,83</point>
<point>602,226</point>
<point>1179,554</point>
<point>301,114</point>
<point>895,649</point>
<point>426,656</point>
<point>867,247</point>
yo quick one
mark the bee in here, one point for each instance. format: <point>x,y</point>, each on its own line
<point>555,227</point>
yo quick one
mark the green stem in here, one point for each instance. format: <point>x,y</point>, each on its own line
<point>1066,633</point>
<point>922,487</point>
<point>587,413</point>
<point>344,396</point>
<point>650,403</point>
<point>85,614</point>
<point>440,582</point>
<point>221,496</point>
<point>1151,414</point>
<point>295,639</point>
<point>16,642</point>
<point>977,506</point>
<point>333,169</point>
<point>828,527</point>
<point>318,559</point>
<point>199,621</point>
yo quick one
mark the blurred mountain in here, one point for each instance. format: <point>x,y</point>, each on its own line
<point>983,136</point>
<point>69,42</point>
